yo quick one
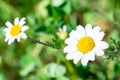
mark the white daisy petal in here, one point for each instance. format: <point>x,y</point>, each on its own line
<point>9,41</point>
<point>7,37</point>
<point>88,28</point>
<point>84,61</point>
<point>73,34</point>
<point>70,49</point>
<point>87,57</point>
<point>6,30</point>
<point>80,31</point>
<point>18,38</point>
<point>91,55</point>
<point>103,45</point>
<point>99,36</point>
<point>22,22</point>
<point>96,29</point>
<point>70,56</point>
<point>99,51</point>
<point>24,28</point>
<point>8,24</point>
<point>12,40</point>
<point>16,21</point>
<point>71,41</point>
<point>78,56</point>
<point>23,35</point>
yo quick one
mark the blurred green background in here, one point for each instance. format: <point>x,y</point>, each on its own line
<point>30,61</point>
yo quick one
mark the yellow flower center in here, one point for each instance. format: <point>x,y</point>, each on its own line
<point>85,44</point>
<point>15,30</point>
<point>63,34</point>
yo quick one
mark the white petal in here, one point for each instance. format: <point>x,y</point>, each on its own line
<point>59,29</point>
<point>91,55</point>
<point>78,56</point>
<point>80,31</point>
<point>98,36</point>
<point>96,29</point>
<point>101,35</point>
<point>70,49</point>
<point>103,45</point>
<point>88,28</point>
<point>74,34</point>
<point>71,41</point>
<point>12,39</point>
<point>16,21</point>
<point>24,28</point>
<point>7,37</point>
<point>87,57</point>
<point>6,30</point>
<point>9,41</point>
<point>23,35</point>
<point>70,56</point>
<point>18,38</point>
<point>99,51</point>
<point>22,22</point>
<point>64,28</point>
<point>84,61</point>
<point>8,24</point>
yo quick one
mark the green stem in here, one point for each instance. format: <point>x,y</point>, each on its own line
<point>39,42</point>
<point>71,69</point>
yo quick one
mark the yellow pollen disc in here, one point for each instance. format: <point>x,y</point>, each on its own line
<point>15,30</point>
<point>85,44</point>
<point>63,34</point>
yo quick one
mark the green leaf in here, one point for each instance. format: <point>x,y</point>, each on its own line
<point>89,17</point>
<point>67,8</point>
<point>63,78</point>
<point>34,77</point>
<point>28,63</point>
<point>114,35</point>
<point>2,75</point>
<point>54,70</point>
<point>26,70</point>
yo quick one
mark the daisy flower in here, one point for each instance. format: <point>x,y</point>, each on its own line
<point>84,43</point>
<point>15,31</point>
<point>62,32</point>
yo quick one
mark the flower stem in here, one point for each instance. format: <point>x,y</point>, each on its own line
<point>39,42</point>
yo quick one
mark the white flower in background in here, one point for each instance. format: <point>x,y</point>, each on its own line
<point>62,32</point>
<point>84,43</point>
<point>15,31</point>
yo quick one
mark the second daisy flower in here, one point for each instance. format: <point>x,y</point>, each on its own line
<point>84,43</point>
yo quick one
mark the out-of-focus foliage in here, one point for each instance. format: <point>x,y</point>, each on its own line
<point>29,61</point>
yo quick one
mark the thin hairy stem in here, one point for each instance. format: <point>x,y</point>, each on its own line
<point>39,42</point>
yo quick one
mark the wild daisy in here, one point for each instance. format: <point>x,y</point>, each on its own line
<point>84,43</point>
<point>15,31</point>
<point>62,32</point>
